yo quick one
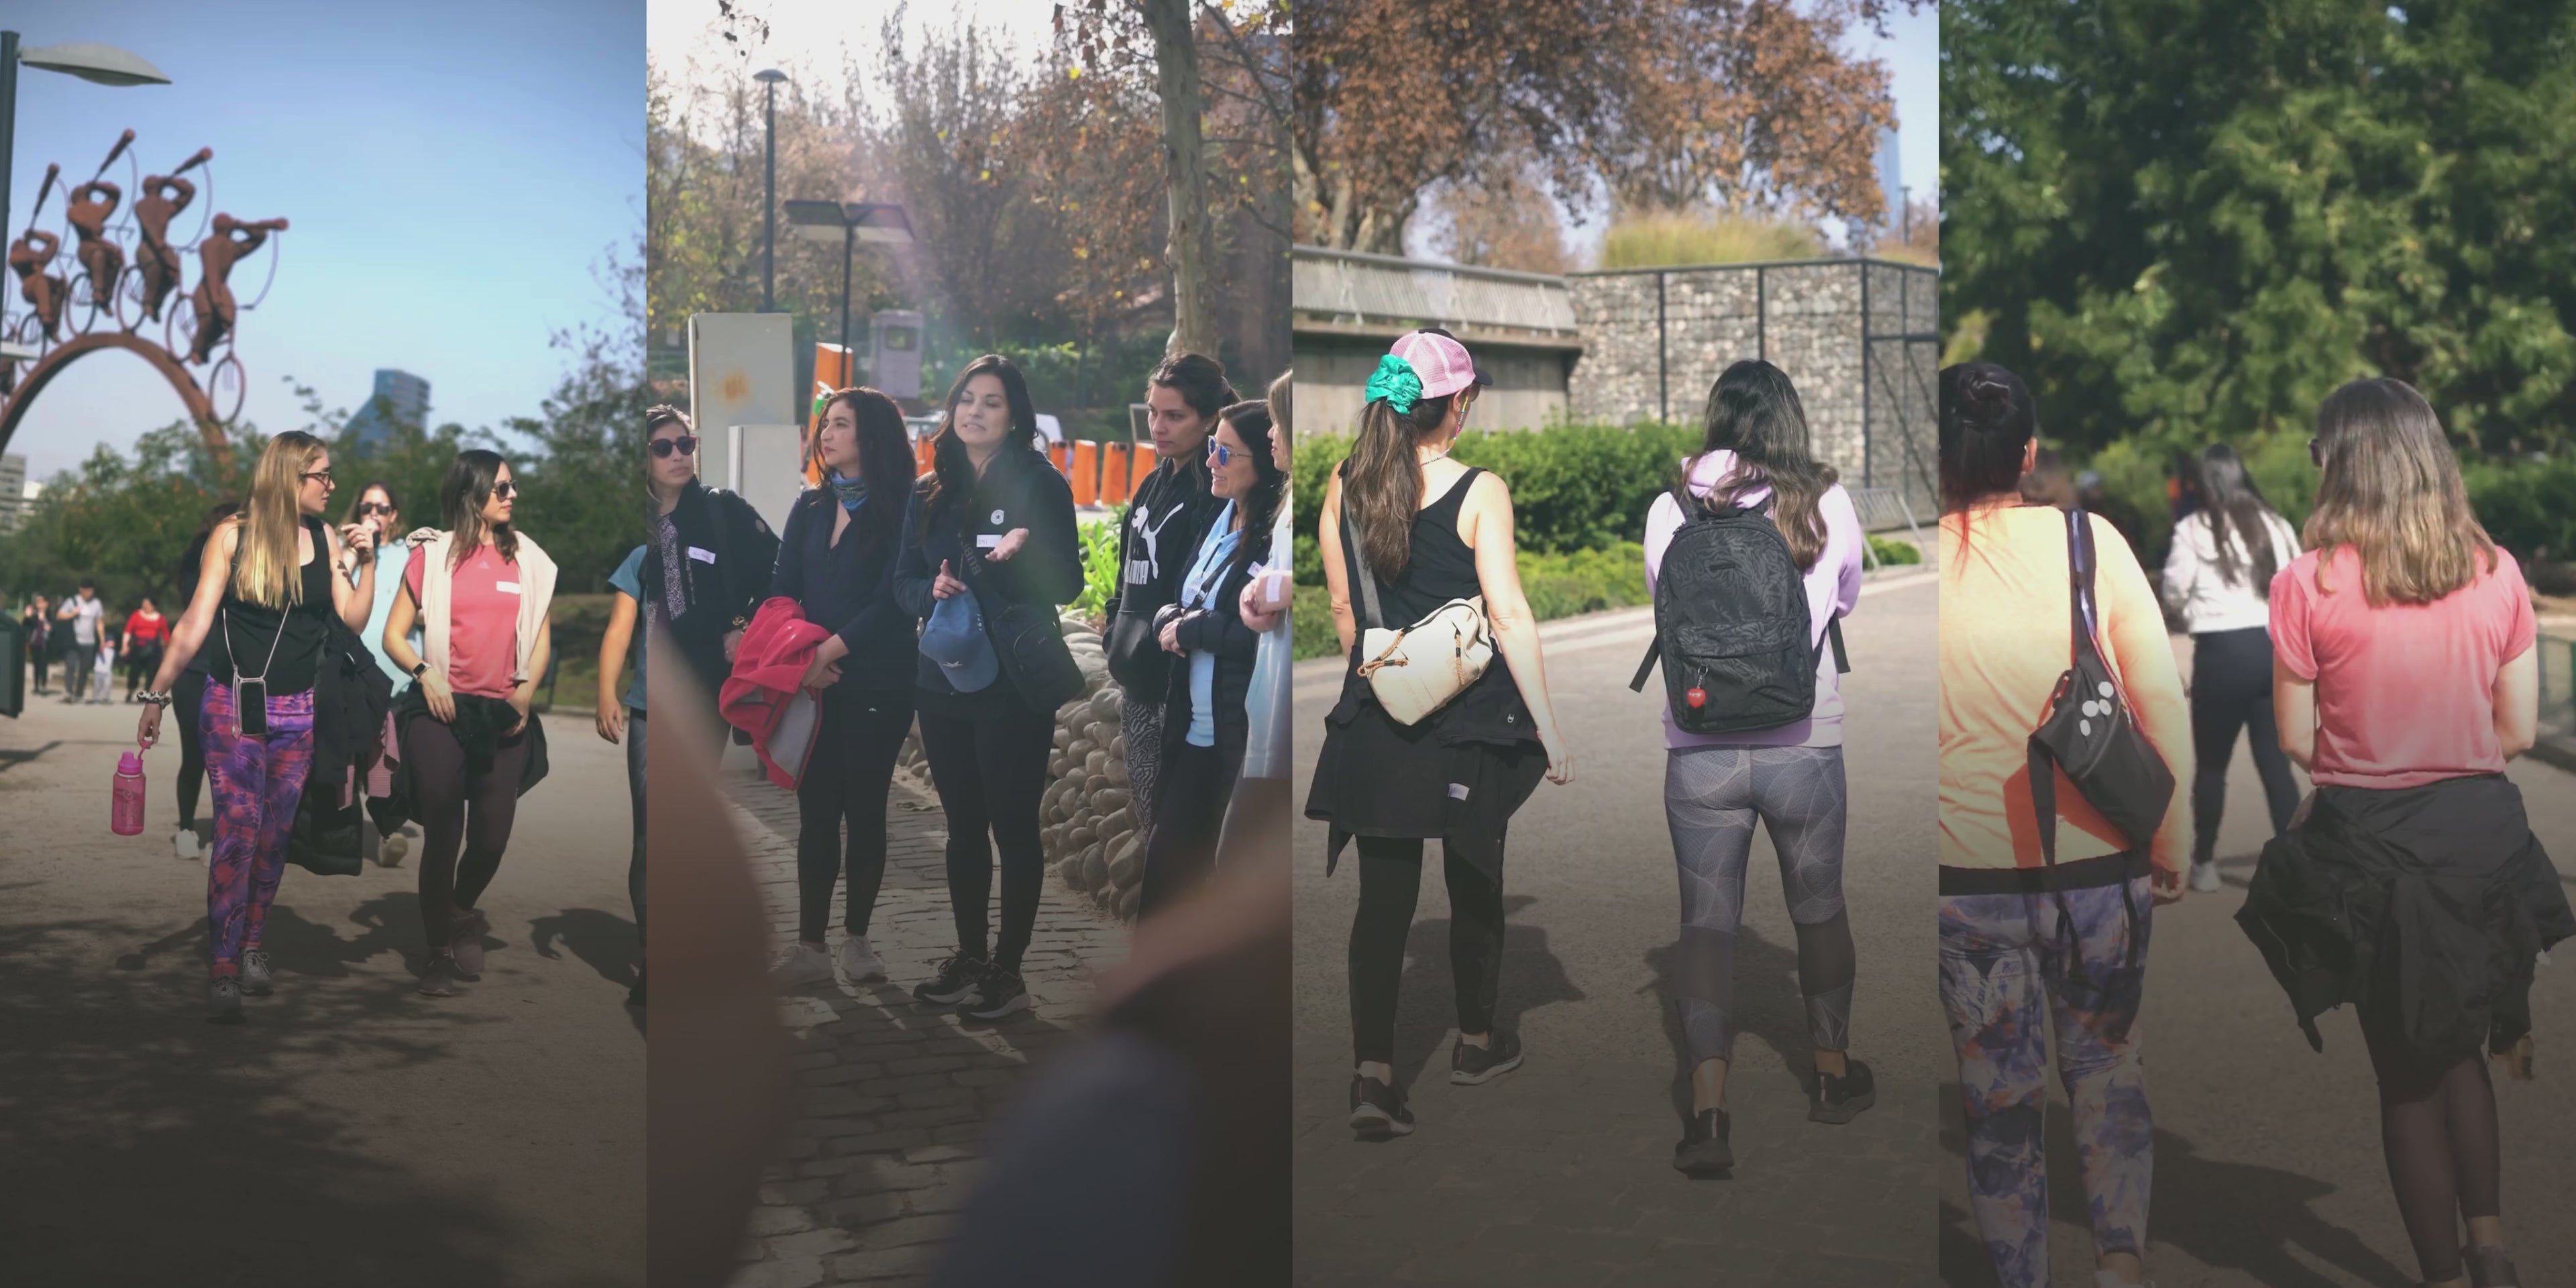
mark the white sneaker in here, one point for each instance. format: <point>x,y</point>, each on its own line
<point>390,854</point>
<point>799,964</point>
<point>184,843</point>
<point>859,961</point>
<point>2204,877</point>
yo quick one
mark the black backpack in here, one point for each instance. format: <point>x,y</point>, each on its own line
<point>1731,626</point>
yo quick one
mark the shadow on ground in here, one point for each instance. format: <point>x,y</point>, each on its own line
<point>1426,1004</point>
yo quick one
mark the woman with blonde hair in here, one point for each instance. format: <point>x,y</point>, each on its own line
<point>2404,676</point>
<point>480,591</point>
<point>1404,530</point>
<point>264,598</point>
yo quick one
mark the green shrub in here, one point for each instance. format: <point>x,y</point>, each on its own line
<point>2529,507</point>
<point>1557,585</point>
<point>1099,564</point>
<point>1312,635</point>
<point>1664,238</point>
<point>1893,552</point>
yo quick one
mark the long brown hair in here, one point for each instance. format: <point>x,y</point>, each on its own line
<point>1754,412</point>
<point>2238,516</point>
<point>1382,483</point>
<point>2391,490</point>
<point>469,483</point>
<point>952,475</point>
<point>268,573</point>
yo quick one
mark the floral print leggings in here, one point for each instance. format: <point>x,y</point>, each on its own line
<point>258,780</point>
<point>2005,957</point>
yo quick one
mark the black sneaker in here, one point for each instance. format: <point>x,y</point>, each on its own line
<point>957,977</point>
<point>2489,1268</point>
<point>255,979</point>
<point>441,977</point>
<point>223,1001</point>
<point>1704,1151</point>
<point>1473,1066</point>
<point>1000,993</point>
<point>1839,1100</point>
<point>1378,1111</point>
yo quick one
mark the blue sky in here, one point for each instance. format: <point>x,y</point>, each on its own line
<point>454,172</point>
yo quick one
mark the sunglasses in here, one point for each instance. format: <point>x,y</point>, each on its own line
<point>684,444</point>
<point>1220,453</point>
<point>505,489</point>
<point>324,475</point>
<point>374,507</point>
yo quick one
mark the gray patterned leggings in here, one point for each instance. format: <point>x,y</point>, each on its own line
<point>1712,795</point>
<point>1140,722</point>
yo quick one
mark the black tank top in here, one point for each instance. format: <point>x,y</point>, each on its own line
<point>1441,567</point>
<point>298,633</point>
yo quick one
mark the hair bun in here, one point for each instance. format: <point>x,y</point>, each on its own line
<point>1989,397</point>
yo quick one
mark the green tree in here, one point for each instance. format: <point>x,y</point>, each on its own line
<point>2184,220</point>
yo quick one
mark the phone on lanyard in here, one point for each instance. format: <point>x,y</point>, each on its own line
<point>250,708</point>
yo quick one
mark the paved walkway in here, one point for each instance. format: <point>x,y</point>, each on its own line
<point>893,1096</point>
<point>351,1132</point>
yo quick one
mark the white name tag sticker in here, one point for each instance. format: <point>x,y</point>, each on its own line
<point>1457,791</point>
<point>988,541</point>
<point>506,587</point>
<point>702,556</point>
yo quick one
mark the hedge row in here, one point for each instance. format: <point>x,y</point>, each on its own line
<point>1557,585</point>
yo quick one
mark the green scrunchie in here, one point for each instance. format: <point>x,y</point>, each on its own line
<point>1396,382</point>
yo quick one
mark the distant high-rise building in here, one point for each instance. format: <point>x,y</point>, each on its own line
<point>1891,182</point>
<point>400,398</point>
<point>13,490</point>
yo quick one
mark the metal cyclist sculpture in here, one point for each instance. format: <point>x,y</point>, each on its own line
<point>76,290</point>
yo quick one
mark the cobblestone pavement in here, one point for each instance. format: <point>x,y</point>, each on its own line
<point>893,1096</point>
<point>1560,1174</point>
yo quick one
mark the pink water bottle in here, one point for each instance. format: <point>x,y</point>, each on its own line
<point>127,818</point>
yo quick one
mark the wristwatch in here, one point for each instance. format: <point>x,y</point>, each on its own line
<point>415,671</point>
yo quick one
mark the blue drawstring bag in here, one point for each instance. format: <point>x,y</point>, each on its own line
<point>955,639</point>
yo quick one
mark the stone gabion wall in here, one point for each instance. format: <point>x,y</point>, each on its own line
<point>1805,318</point>
<point>1087,820</point>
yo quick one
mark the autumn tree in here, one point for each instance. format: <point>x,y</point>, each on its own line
<point>1748,105</point>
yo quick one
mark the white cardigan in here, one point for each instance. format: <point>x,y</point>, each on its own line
<point>2204,601</point>
<point>536,595</point>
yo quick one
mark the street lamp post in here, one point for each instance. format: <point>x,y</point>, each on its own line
<point>850,223</point>
<point>99,64</point>
<point>769,78</point>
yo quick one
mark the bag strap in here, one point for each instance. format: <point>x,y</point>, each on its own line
<point>1358,549</point>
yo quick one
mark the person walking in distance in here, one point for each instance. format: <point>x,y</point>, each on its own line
<point>2218,582</point>
<point>990,554</point>
<point>1404,530</point>
<point>621,718</point>
<point>2040,933</point>
<point>1203,628</point>
<point>188,692</point>
<point>38,623</point>
<point>1756,456</point>
<point>261,609</point>
<point>481,592</point>
<point>375,509</point>
<point>1163,525</point>
<point>84,614</point>
<point>2405,674</point>
<point>102,668</point>
<point>837,561</point>
<point>146,633</point>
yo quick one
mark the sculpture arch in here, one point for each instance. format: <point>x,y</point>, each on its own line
<point>32,381</point>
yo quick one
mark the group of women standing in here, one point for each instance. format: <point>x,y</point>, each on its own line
<point>276,601</point>
<point>2393,659</point>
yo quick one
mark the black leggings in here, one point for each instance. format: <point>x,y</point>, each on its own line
<point>188,698</point>
<point>458,810</point>
<point>990,770</point>
<point>635,796</point>
<point>1189,811</point>
<point>1390,881</point>
<point>2437,1129</point>
<point>846,780</point>
<point>141,662</point>
<point>2231,690</point>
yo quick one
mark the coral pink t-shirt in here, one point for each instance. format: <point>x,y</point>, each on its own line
<point>2405,692</point>
<point>483,622</point>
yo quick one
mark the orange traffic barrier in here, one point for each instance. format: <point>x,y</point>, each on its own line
<point>1061,457</point>
<point>1086,472</point>
<point>921,454</point>
<point>1145,461</point>
<point>1114,487</point>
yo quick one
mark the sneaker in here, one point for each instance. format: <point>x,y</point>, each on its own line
<point>1378,1111</point>
<point>1474,1066</point>
<point>1703,1151</point>
<point>184,844</point>
<point>1000,993</point>
<point>635,995</point>
<point>797,965</point>
<point>1839,1100</point>
<point>440,979</point>
<point>2489,1267</point>
<point>2204,877</point>
<point>390,854</point>
<point>255,979</point>
<point>956,979</point>
<point>859,961</point>
<point>223,1001</point>
<point>465,939</point>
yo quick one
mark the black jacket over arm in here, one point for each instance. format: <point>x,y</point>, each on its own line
<point>1020,489</point>
<point>728,554</point>
<point>849,591</point>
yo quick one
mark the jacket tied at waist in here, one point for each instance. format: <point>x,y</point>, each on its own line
<point>2424,907</point>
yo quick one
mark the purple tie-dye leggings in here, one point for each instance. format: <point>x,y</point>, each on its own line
<point>257,781</point>
<point>2010,972</point>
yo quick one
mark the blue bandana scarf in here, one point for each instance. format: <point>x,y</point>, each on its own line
<point>851,491</point>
